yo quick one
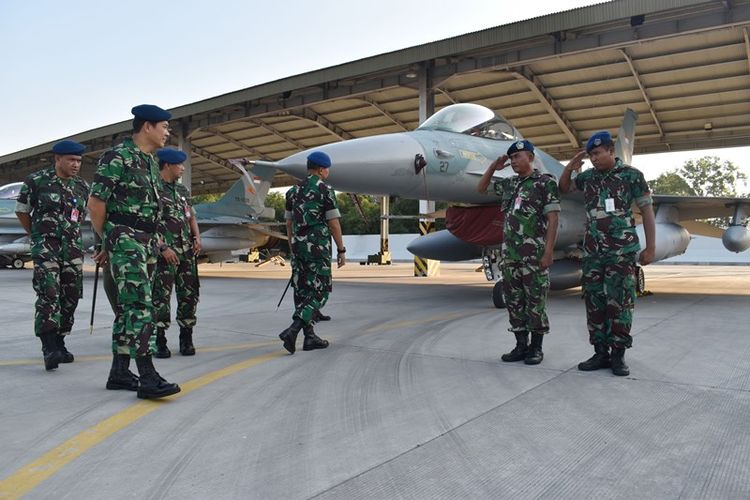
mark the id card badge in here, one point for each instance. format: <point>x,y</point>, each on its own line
<point>517,204</point>
<point>609,205</point>
<point>186,208</point>
<point>74,215</point>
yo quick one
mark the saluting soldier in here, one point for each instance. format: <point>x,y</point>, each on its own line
<point>51,207</point>
<point>610,248</point>
<point>124,207</point>
<point>312,217</point>
<point>176,265</point>
<point>531,205</point>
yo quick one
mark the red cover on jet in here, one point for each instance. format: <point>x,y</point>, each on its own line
<point>478,225</point>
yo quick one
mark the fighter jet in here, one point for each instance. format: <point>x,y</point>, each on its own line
<point>14,244</point>
<point>444,158</point>
<point>237,221</point>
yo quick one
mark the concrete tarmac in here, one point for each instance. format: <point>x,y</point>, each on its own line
<point>409,401</point>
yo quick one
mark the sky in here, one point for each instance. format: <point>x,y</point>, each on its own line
<point>72,66</point>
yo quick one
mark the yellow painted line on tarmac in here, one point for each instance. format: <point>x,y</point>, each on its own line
<point>31,475</point>
<point>431,319</point>
<point>108,357</point>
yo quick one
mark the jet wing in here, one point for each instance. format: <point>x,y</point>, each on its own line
<point>13,230</point>
<point>698,207</point>
<point>263,229</point>
<point>224,220</point>
<point>228,220</point>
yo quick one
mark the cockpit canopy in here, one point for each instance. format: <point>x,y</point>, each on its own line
<point>472,119</point>
<point>10,191</point>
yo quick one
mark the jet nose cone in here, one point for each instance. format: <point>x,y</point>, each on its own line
<point>381,164</point>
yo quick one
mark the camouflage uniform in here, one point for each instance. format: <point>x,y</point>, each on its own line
<point>174,228</point>
<point>310,205</point>
<point>526,201</point>
<point>57,207</point>
<point>610,249</point>
<point>128,180</point>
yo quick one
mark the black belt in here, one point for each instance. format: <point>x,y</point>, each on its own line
<point>132,221</point>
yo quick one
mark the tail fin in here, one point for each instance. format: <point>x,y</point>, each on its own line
<point>247,196</point>
<point>626,137</point>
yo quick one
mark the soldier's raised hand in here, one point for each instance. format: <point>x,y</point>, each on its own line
<point>500,163</point>
<point>577,161</point>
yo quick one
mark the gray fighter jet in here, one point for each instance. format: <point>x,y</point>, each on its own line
<point>237,221</point>
<point>443,160</point>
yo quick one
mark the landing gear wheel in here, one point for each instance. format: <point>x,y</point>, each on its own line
<point>17,264</point>
<point>497,295</point>
<point>640,281</point>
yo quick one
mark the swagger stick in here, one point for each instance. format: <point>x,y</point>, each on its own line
<point>93,299</point>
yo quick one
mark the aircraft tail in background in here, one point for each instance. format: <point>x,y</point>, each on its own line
<point>246,197</point>
<point>626,137</point>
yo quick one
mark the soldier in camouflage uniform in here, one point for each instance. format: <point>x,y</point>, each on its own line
<point>51,207</point>
<point>531,204</point>
<point>124,208</point>
<point>176,265</point>
<point>610,248</point>
<point>312,217</point>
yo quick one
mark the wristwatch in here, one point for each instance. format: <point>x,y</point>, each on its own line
<point>163,247</point>
<point>342,250</point>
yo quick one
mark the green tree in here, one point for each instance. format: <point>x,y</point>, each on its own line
<point>709,176</point>
<point>352,221</point>
<point>206,198</point>
<point>671,183</point>
<point>277,201</point>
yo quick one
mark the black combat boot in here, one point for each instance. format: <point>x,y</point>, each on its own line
<point>67,356</point>
<point>120,377</point>
<point>152,385</point>
<point>162,351</point>
<point>289,336</point>
<point>319,316</point>
<point>598,361</point>
<point>619,367</point>
<point>534,355</point>
<point>50,350</point>
<point>186,341</point>
<point>312,341</point>
<point>519,352</point>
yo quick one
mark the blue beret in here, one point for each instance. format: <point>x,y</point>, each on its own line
<point>151,113</point>
<point>520,146</point>
<point>68,148</point>
<point>319,159</point>
<point>602,138</point>
<point>171,156</point>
